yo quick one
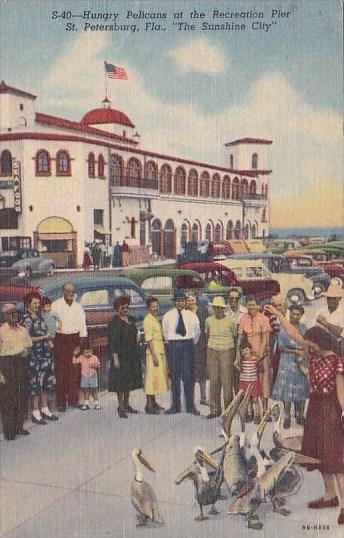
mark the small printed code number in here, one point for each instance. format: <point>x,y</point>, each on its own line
<point>315,527</point>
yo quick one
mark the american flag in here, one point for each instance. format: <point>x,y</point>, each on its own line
<point>113,71</point>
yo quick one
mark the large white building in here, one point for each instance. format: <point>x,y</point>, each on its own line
<point>64,183</point>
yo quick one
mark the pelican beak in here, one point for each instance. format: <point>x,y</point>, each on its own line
<point>302,459</point>
<point>206,458</point>
<point>145,462</point>
<point>184,474</point>
<point>272,412</point>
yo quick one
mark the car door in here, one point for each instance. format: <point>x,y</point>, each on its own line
<point>97,303</point>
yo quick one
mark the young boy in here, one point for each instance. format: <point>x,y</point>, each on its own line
<point>249,377</point>
<point>51,319</point>
<point>89,377</point>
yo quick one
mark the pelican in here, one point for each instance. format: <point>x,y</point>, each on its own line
<point>207,486</point>
<point>142,493</point>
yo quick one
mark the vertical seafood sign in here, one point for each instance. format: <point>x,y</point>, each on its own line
<point>17,187</point>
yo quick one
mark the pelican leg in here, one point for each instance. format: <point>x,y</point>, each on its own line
<point>253,521</point>
<point>141,520</point>
<point>277,506</point>
<point>213,511</point>
<point>201,517</point>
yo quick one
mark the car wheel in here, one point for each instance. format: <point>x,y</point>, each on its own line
<point>28,272</point>
<point>296,296</point>
<point>317,290</point>
<point>51,270</point>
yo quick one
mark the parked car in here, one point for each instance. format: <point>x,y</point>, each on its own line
<point>333,249</point>
<point>278,246</point>
<point>320,259</point>
<point>161,281</point>
<point>203,251</point>
<point>252,278</point>
<point>255,245</point>
<point>294,285</point>
<point>26,261</point>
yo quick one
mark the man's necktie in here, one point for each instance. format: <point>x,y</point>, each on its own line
<point>181,326</point>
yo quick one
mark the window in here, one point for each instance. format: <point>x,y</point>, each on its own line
<point>255,161</point>
<point>134,173</point>
<point>179,181</point>
<point>229,230</point>
<point>21,106</point>
<point>193,183</point>
<point>226,188</point>
<point>235,189</point>
<point>63,164</point>
<point>166,179</point>
<point>157,283</point>
<point>116,171</point>
<point>91,165</point>
<point>244,186</point>
<point>195,235</point>
<point>43,163</point>
<point>151,175</point>
<point>208,231</point>
<point>205,181</point>
<point>6,163</point>
<point>231,161</point>
<point>216,186</point>
<point>134,296</point>
<point>98,217</point>
<point>101,166</point>
<point>253,187</point>
<point>218,232</point>
<point>95,298</point>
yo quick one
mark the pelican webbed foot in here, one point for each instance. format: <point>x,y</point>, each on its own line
<point>141,520</point>
<point>277,505</point>
<point>253,522</point>
<point>201,517</point>
<point>213,511</point>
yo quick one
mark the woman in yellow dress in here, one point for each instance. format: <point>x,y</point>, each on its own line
<point>156,381</point>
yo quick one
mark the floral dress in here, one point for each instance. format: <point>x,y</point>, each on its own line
<point>291,384</point>
<point>41,363</point>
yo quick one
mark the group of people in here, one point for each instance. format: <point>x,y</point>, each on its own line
<point>120,254</point>
<point>96,255</point>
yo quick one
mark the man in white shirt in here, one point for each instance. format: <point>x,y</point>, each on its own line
<point>332,317</point>
<point>67,340</point>
<point>181,330</point>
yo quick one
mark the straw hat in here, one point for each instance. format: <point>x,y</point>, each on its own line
<point>333,291</point>
<point>219,302</point>
<point>9,307</point>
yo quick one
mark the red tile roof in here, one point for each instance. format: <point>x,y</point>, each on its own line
<point>75,126</point>
<point>4,88</point>
<point>106,115</point>
<point>248,141</point>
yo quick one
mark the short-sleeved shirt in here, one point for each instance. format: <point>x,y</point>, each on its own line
<point>249,370</point>
<point>13,340</point>
<point>323,371</point>
<point>255,327</point>
<point>221,333</point>
<point>88,365</point>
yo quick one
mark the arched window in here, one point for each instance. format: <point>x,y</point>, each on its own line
<point>134,172</point>
<point>91,165</point>
<point>184,234</point>
<point>253,231</point>
<point>226,188</point>
<point>247,231</point>
<point>208,231</point>
<point>101,166</point>
<point>231,161</point>
<point>179,181</point>
<point>216,186</point>
<point>43,163</point>
<point>237,230</point>
<point>6,163</point>
<point>166,179</point>
<point>218,232</point>
<point>195,235</point>
<point>253,187</point>
<point>151,175</point>
<point>63,163</point>
<point>205,181</point>
<point>235,189</point>
<point>255,161</point>
<point>2,202</point>
<point>193,183</point>
<point>229,230</point>
<point>116,171</point>
<point>244,186</point>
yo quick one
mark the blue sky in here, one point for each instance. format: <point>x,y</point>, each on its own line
<point>189,92</point>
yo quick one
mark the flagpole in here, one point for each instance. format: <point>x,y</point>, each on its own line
<point>105,82</point>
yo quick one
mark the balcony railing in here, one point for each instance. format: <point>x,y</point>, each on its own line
<point>252,196</point>
<point>136,182</point>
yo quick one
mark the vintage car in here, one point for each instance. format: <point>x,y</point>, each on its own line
<point>295,286</point>
<point>255,245</point>
<point>203,251</point>
<point>161,281</point>
<point>278,246</point>
<point>333,249</point>
<point>319,259</point>
<point>252,278</point>
<point>26,261</point>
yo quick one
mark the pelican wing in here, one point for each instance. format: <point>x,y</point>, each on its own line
<point>290,443</point>
<point>145,501</point>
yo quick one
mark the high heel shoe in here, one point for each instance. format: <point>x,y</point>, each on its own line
<point>122,413</point>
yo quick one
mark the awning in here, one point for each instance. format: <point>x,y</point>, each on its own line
<point>101,231</point>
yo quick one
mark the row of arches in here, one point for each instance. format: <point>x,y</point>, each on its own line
<point>164,236</point>
<point>180,181</point>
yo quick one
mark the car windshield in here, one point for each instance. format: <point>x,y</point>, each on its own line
<point>8,253</point>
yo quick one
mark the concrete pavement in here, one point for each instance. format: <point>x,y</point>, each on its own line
<point>72,478</point>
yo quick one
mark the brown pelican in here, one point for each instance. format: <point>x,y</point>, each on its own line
<point>207,485</point>
<point>142,493</point>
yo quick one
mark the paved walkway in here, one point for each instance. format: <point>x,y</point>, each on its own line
<point>72,478</point>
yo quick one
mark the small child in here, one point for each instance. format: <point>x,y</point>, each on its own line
<point>51,319</point>
<point>249,376</point>
<point>89,378</point>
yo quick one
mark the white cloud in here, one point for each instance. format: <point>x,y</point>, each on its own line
<point>199,56</point>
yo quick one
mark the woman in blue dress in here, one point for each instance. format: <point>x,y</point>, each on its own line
<point>41,364</point>
<point>291,385</point>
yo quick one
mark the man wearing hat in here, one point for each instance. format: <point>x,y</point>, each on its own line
<point>221,333</point>
<point>181,330</point>
<point>332,318</point>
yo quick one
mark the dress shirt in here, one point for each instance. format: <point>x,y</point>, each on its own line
<point>191,322</point>
<point>335,318</point>
<point>73,319</point>
<point>237,315</point>
<point>13,340</point>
